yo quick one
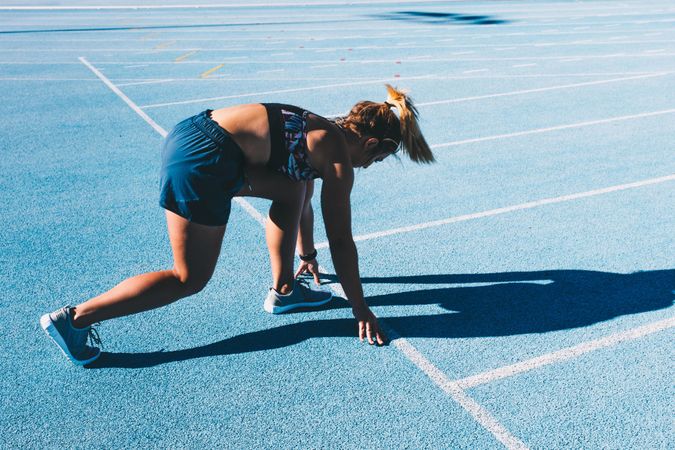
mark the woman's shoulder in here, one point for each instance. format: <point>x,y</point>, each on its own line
<point>324,135</point>
<point>326,143</point>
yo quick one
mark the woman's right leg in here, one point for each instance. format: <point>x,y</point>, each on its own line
<point>195,252</point>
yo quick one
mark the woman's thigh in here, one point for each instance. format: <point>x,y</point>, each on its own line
<point>266,183</point>
<point>195,248</point>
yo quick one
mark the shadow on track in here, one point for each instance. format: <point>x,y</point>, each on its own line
<point>497,304</point>
<point>439,18</point>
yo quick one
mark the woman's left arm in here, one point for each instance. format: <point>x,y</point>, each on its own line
<point>305,242</point>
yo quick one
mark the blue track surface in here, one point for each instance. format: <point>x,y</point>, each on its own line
<point>528,276</point>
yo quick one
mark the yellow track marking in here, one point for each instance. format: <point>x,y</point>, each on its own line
<point>164,45</point>
<point>210,71</point>
<point>185,56</point>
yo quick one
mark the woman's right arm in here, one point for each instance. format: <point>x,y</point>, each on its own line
<point>336,208</point>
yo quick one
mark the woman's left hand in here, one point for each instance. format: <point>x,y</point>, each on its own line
<point>311,267</point>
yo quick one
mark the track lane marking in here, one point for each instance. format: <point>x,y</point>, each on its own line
<point>506,209</point>
<point>210,71</point>
<point>451,388</point>
<point>137,83</point>
<point>282,91</point>
<point>162,132</point>
<point>565,354</point>
<point>164,45</point>
<point>185,56</point>
<point>555,128</point>
<point>121,95</point>
<point>544,89</point>
<point>529,91</point>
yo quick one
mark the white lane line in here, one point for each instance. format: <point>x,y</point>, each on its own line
<point>565,354</point>
<point>482,416</point>
<point>319,78</point>
<point>528,91</point>
<point>544,89</point>
<point>556,128</point>
<point>260,218</point>
<point>192,51</point>
<point>374,36</point>
<point>126,99</point>
<point>271,71</point>
<point>162,132</point>
<point>282,91</point>
<point>504,94</point>
<point>451,388</point>
<point>137,83</point>
<point>237,60</point>
<point>524,65</point>
<point>322,66</point>
<point>507,209</point>
<point>234,58</point>
<point>135,66</point>
<point>513,8</point>
<point>203,6</point>
<point>658,50</point>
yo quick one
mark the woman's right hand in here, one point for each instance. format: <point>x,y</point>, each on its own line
<point>310,267</point>
<point>368,326</point>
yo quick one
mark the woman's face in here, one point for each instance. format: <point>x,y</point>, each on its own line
<point>379,150</point>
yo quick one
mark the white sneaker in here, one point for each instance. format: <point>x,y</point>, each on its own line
<point>300,297</point>
<point>72,341</point>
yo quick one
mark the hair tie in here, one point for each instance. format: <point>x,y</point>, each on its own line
<point>390,104</point>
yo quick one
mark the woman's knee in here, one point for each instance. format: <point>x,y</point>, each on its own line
<point>191,282</point>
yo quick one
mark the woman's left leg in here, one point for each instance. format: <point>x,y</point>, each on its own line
<point>281,228</point>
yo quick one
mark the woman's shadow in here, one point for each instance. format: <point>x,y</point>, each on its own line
<point>478,305</point>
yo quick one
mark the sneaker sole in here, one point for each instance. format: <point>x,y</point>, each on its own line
<point>283,309</point>
<point>47,325</point>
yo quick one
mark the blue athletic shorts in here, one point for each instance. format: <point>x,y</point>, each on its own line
<point>202,169</point>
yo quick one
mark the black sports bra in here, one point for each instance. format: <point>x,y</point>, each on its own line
<point>288,133</point>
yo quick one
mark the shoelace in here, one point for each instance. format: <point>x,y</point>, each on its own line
<point>93,336</point>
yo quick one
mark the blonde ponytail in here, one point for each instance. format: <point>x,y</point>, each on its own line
<point>412,140</point>
<point>374,119</point>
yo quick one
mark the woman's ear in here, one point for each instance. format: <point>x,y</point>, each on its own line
<point>371,144</point>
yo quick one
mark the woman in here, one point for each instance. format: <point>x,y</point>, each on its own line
<point>264,150</point>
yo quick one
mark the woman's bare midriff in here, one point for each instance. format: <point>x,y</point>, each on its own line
<point>250,129</point>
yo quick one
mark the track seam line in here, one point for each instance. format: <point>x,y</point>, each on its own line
<point>480,414</point>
